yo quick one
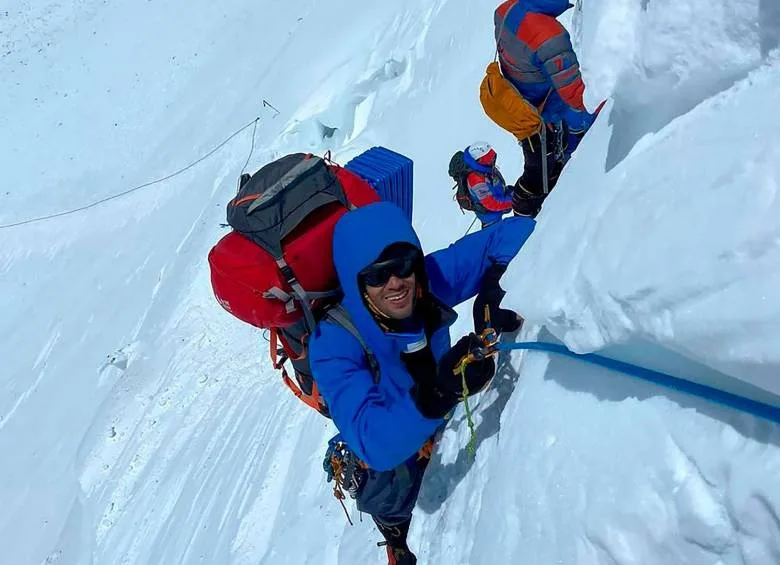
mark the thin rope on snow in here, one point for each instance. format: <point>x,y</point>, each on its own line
<point>146,184</point>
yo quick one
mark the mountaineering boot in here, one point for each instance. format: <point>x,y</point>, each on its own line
<point>400,556</point>
<point>525,202</point>
<point>398,552</point>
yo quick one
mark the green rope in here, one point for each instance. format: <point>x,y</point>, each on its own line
<point>472,446</point>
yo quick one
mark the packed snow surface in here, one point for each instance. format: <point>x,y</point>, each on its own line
<point>140,424</point>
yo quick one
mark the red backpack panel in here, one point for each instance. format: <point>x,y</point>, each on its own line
<point>283,219</point>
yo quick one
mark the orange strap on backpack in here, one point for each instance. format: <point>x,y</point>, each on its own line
<point>313,400</point>
<point>338,316</point>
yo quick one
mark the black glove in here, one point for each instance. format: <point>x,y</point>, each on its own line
<point>490,295</point>
<point>437,399</point>
<point>478,372</point>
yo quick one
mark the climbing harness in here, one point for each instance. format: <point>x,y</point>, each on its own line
<point>349,473</point>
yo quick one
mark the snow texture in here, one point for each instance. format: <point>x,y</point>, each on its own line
<point>140,424</point>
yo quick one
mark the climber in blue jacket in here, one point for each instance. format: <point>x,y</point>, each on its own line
<point>400,302</point>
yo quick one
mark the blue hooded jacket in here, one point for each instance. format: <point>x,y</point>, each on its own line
<point>380,422</point>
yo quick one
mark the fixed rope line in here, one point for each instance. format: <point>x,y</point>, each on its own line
<point>472,446</point>
<point>252,150</point>
<point>721,397</point>
<point>471,226</point>
<point>144,185</point>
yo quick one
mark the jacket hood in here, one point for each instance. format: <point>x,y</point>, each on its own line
<point>359,238</point>
<point>552,8</point>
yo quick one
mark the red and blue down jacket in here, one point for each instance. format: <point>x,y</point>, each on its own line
<point>536,55</point>
<point>492,195</point>
<point>485,186</point>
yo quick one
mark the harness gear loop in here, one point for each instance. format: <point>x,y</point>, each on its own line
<point>338,485</point>
<point>346,471</point>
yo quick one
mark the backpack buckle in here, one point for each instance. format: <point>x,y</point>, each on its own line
<point>279,294</point>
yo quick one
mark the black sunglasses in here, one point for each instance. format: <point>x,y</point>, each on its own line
<point>403,266</point>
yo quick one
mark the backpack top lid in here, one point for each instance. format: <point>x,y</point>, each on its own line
<point>276,266</point>
<point>268,207</point>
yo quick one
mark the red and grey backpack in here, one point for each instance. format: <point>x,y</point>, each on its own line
<point>275,269</point>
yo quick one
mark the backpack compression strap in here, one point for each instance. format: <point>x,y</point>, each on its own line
<point>298,291</point>
<point>339,316</point>
<point>289,300</point>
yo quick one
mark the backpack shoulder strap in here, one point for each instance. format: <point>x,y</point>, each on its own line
<point>339,316</point>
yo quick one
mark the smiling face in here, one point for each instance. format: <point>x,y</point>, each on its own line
<point>394,299</point>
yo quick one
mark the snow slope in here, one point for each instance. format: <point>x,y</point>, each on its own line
<point>141,424</point>
<point>653,271</point>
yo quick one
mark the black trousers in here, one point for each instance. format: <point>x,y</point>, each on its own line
<point>533,154</point>
<point>390,496</point>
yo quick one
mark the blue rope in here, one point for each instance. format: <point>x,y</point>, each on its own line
<point>718,396</point>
